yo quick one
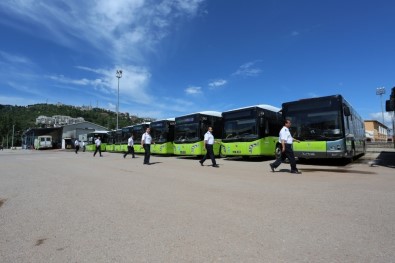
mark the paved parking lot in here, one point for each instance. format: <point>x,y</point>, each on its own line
<point>58,206</point>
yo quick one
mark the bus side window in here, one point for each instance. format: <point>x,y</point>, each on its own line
<point>266,126</point>
<point>346,110</point>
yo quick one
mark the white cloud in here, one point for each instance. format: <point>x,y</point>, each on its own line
<point>122,29</point>
<point>123,33</point>
<point>295,33</point>
<point>248,70</point>
<point>193,90</point>
<point>379,117</point>
<point>132,85</point>
<point>217,83</point>
<point>12,58</point>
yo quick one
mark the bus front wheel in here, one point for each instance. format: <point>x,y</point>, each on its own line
<point>278,151</point>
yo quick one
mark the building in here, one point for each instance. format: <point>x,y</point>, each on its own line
<point>62,137</point>
<point>57,120</point>
<point>376,131</point>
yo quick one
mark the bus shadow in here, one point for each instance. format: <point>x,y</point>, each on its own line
<point>329,170</point>
<point>325,162</point>
<point>248,159</point>
<point>386,159</point>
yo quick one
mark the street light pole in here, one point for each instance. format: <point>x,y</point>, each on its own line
<point>118,75</point>
<point>12,139</point>
<point>381,91</point>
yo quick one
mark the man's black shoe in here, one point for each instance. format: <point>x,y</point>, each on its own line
<point>215,165</point>
<point>201,163</point>
<point>295,172</point>
<point>271,167</point>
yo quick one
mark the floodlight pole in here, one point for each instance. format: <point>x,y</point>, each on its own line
<point>381,91</point>
<point>118,75</point>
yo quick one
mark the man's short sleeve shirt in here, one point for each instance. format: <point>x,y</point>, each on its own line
<point>285,135</point>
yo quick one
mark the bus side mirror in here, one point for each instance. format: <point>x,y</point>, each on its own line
<point>346,111</point>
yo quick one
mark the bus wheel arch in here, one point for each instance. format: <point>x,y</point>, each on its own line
<point>221,154</point>
<point>277,151</point>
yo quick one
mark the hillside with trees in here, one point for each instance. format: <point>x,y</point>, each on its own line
<point>24,117</point>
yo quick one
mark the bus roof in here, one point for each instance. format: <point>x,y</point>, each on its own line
<point>262,106</point>
<point>99,132</point>
<point>316,98</point>
<point>147,123</point>
<point>210,113</point>
<point>168,119</point>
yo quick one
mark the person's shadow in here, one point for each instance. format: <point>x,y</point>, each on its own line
<point>153,163</point>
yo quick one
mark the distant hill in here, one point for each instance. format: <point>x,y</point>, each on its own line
<point>24,117</point>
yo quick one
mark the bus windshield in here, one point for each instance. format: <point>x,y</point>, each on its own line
<point>138,132</point>
<point>160,133</point>
<point>316,124</point>
<point>240,129</point>
<point>188,132</point>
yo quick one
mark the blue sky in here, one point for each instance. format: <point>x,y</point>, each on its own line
<point>180,56</point>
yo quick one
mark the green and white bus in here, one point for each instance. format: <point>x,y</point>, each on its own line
<point>251,131</point>
<point>92,136</point>
<point>114,141</point>
<point>162,132</point>
<point>123,137</point>
<point>328,127</point>
<point>138,131</point>
<point>190,130</point>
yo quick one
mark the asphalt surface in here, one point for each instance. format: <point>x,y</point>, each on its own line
<point>58,206</point>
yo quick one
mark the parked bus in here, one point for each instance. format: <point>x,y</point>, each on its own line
<point>190,130</point>
<point>162,132</point>
<point>43,142</point>
<point>92,136</point>
<point>123,136</point>
<point>138,131</point>
<point>251,131</point>
<point>328,127</point>
<point>114,143</point>
<point>111,141</point>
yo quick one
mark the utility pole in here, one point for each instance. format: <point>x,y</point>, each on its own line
<point>118,75</point>
<point>12,140</point>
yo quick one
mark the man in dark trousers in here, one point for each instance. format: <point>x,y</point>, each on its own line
<point>209,146</point>
<point>146,141</point>
<point>130,147</point>
<point>98,146</point>
<point>76,145</point>
<point>286,140</point>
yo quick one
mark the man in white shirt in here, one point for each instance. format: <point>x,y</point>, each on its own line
<point>98,146</point>
<point>146,141</point>
<point>209,146</point>
<point>286,141</point>
<point>76,145</point>
<point>130,146</point>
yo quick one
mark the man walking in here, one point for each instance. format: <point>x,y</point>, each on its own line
<point>209,146</point>
<point>286,141</point>
<point>83,146</point>
<point>146,141</point>
<point>98,146</point>
<point>76,145</point>
<point>130,146</point>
